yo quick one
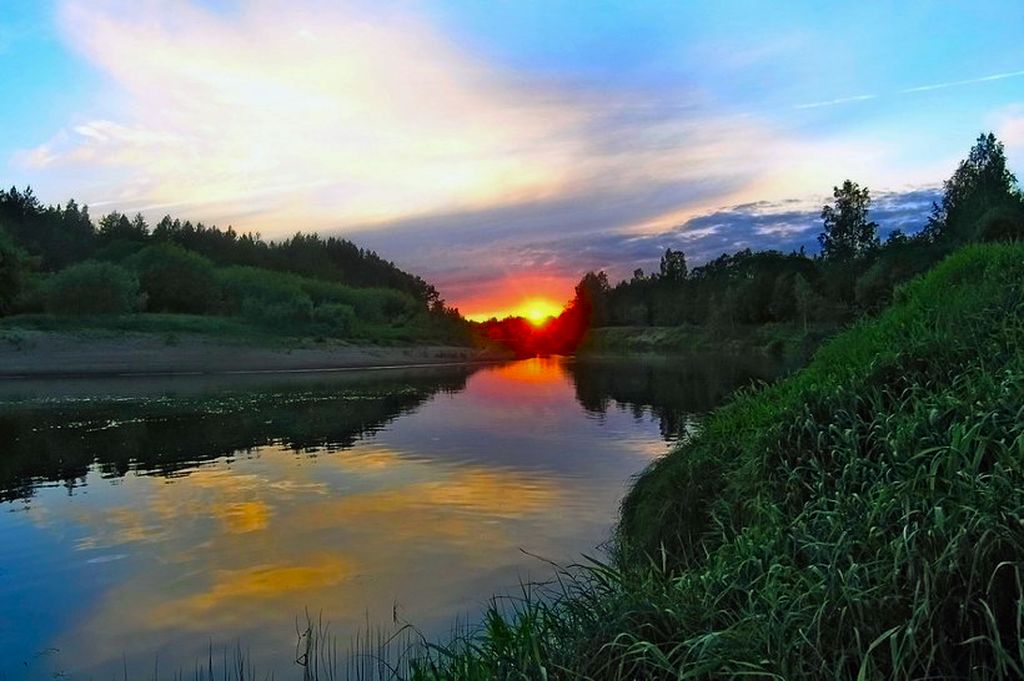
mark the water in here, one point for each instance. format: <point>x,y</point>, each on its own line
<point>144,520</point>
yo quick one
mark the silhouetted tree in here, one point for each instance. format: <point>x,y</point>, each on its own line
<point>980,184</point>
<point>848,233</point>
<point>673,265</point>
<point>117,227</point>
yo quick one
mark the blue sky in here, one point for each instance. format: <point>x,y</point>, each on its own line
<point>543,138</point>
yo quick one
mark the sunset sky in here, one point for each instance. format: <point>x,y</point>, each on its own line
<point>501,149</point>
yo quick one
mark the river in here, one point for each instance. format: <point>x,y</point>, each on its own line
<point>147,521</point>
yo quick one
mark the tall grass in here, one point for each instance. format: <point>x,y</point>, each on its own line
<point>862,519</point>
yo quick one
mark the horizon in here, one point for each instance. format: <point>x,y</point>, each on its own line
<point>500,153</point>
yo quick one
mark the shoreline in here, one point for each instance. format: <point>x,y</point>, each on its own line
<point>60,355</point>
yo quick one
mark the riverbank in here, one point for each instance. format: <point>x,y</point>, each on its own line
<point>860,519</point>
<point>98,352</point>
<point>791,341</point>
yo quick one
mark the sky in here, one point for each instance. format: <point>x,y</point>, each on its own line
<point>501,149</point>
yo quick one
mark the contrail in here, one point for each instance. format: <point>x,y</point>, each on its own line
<point>919,88</point>
<point>833,102</point>
<point>955,83</point>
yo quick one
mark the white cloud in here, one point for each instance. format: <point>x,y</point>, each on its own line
<point>277,117</point>
<point>1009,125</point>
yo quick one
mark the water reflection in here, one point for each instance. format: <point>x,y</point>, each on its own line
<point>146,519</point>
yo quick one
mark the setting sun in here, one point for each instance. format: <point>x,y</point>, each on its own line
<point>539,311</point>
<point>534,310</point>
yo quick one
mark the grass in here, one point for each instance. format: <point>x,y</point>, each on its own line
<point>170,326</point>
<point>785,340</point>
<point>862,519</point>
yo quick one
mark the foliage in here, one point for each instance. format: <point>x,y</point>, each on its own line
<point>93,287</point>
<point>57,235</point>
<point>848,233</point>
<point>981,183</point>
<point>14,269</point>
<point>335,319</point>
<point>673,266</point>
<point>854,274</point>
<point>117,227</point>
<point>861,519</point>
<point>196,269</point>
<point>175,280</point>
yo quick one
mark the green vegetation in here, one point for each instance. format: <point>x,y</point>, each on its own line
<point>14,268</point>
<point>93,287</point>
<point>53,259</point>
<point>861,519</point>
<point>853,275</point>
<point>793,342</point>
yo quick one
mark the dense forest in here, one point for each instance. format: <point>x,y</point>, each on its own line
<point>54,259</point>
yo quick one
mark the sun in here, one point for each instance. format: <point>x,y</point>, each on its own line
<point>537,311</point>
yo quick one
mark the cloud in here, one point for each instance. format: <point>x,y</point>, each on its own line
<point>494,277</point>
<point>303,111</point>
<point>370,121</point>
<point>1009,125</point>
<point>321,116</point>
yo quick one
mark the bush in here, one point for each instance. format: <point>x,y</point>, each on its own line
<point>14,269</point>
<point>175,280</point>
<point>334,319</point>
<point>1004,223</point>
<point>289,311</point>
<point>93,288</point>
<point>897,264</point>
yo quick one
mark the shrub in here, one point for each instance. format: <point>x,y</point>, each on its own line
<point>334,319</point>
<point>175,280</point>
<point>14,268</point>
<point>290,311</point>
<point>93,287</point>
<point>1003,223</point>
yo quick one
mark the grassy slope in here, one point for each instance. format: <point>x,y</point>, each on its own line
<point>861,519</point>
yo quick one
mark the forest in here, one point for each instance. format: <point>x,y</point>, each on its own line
<point>55,260</point>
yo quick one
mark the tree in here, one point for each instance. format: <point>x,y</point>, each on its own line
<point>980,184</point>
<point>805,298</point>
<point>117,227</point>
<point>848,233</point>
<point>14,266</point>
<point>174,279</point>
<point>93,288</point>
<point>591,298</point>
<point>673,265</point>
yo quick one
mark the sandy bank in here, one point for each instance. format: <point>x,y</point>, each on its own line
<point>41,353</point>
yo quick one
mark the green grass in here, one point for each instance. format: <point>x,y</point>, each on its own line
<point>788,340</point>
<point>861,519</point>
<point>227,328</point>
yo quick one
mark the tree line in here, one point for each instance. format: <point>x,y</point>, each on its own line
<point>56,259</point>
<point>854,273</point>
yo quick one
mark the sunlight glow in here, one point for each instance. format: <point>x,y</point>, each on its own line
<point>537,311</point>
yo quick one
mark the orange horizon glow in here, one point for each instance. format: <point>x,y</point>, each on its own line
<point>536,310</point>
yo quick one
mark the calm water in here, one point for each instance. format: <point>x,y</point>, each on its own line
<point>141,519</point>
